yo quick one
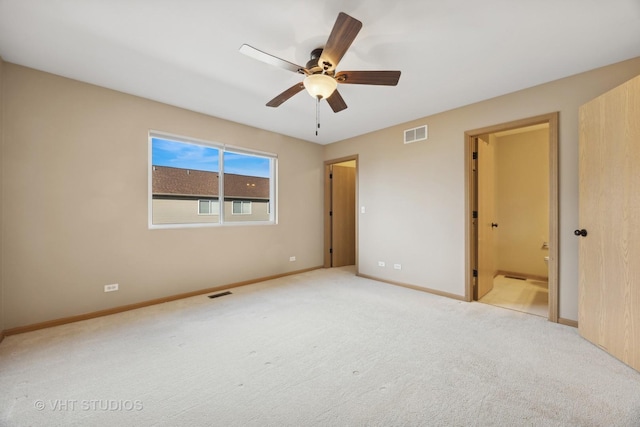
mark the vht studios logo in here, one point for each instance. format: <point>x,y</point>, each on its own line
<point>105,405</point>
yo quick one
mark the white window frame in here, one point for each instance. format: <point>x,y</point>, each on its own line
<point>273,188</point>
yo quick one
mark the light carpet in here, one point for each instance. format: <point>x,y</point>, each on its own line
<point>323,348</point>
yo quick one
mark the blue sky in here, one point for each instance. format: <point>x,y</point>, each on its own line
<point>199,157</point>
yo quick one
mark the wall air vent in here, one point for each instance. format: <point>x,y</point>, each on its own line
<point>415,134</point>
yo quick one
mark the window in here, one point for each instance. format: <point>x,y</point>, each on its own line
<point>246,186</point>
<point>241,207</point>
<point>201,183</point>
<point>208,207</point>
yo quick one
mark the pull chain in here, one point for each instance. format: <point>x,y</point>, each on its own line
<point>317,115</point>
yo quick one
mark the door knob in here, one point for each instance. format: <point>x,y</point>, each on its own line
<point>494,225</point>
<point>581,232</point>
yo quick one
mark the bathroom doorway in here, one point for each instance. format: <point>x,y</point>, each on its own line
<point>512,226</point>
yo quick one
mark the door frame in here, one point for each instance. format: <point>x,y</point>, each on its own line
<point>471,241</point>
<point>327,207</point>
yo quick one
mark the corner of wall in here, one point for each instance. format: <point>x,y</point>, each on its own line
<point>1,195</point>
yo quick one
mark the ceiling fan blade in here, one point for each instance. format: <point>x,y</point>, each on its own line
<point>278,100</point>
<point>336,102</point>
<point>270,59</point>
<point>384,78</point>
<point>342,35</point>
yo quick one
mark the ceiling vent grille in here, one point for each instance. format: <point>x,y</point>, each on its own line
<point>415,134</point>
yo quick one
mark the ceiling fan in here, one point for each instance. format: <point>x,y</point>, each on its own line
<point>321,79</point>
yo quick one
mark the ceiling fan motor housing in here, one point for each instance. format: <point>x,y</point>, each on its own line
<point>313,65</point>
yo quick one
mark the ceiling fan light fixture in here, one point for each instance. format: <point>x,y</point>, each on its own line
<point>320,86</point>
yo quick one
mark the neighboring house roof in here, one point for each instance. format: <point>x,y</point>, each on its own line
<point>168,181</point>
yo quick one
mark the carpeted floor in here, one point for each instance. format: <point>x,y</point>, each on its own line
<point>323,348</point>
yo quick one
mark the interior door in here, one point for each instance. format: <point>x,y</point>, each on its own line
<point>343,218</point>
<point>486,216</point>
<point>609,248</point>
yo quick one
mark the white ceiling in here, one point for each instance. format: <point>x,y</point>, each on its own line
<point>185,52</point>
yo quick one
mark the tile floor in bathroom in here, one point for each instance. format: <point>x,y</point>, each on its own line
<point>529,296</point>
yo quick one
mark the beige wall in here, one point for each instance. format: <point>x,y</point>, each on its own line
<point>75,214</point>
<point>522,202</point>
<point>1,192</point>
<point>415,194</point>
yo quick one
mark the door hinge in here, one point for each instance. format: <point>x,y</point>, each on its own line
<point>475,273</point>
<point>330,250</point>
<point>475,155</point>
<point>330,176</point>
<point>330,213</point>
<point>474,214</point>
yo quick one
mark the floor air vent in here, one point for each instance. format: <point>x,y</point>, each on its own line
<point>221,294</point>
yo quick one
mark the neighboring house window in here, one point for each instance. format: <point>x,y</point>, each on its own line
<point>241,207</point>
<point>195,182</point>
<point>208,207</point>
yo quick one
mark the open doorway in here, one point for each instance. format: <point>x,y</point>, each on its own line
<point>512,215</point>
<point>340,201</point>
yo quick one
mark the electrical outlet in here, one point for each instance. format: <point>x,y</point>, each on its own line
<point>111,288</point>
<point>381,264</point>
<point>362,209</point>
<point>397,266</point>
<point>292,258</point>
